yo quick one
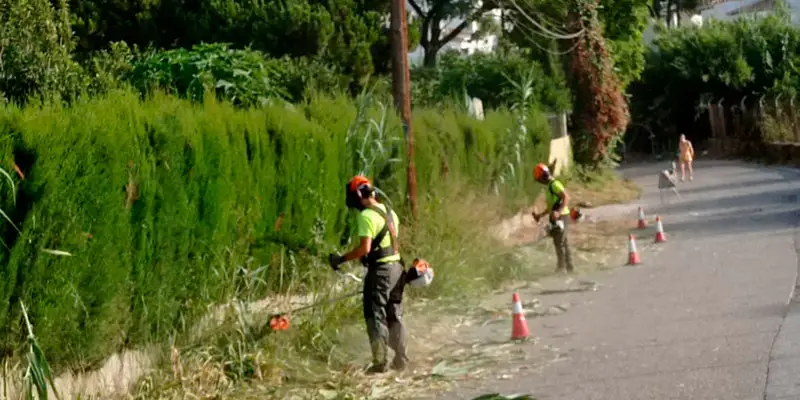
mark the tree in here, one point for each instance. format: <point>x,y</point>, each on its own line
<point>35,47</point>
<point>601,110</point>
<point>624,23</point>
<point>434,13</point>
<point>541,27</point>
<point>341,32</point>
<point>574,33</point>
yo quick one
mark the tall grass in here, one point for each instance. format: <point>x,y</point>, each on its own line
<point>168,206</point>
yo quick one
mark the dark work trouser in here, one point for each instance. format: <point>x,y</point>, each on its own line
<point>383,311</point>
<point>561,244</point>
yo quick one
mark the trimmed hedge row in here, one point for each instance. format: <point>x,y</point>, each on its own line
<point>159,201</point>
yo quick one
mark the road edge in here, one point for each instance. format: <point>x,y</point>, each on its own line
<point>774,387</point>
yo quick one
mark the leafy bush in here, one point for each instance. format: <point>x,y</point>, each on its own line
<point>490,77</point>
<point>244,77</point>
<point>35,43</point>
<point>340,32</point>
<point>241,76</point>
<point>105,69</point>
<point>747,57</point>
<point>165,204</point>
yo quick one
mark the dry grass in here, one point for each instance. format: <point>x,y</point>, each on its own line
<point>612,191</point>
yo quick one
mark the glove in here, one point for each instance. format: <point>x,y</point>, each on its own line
<point>334,260</point>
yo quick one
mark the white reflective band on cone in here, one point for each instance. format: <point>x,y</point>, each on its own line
<point>517,308</point>
<point>632,246</point>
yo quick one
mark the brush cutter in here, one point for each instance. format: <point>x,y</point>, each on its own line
<point>280,322</point>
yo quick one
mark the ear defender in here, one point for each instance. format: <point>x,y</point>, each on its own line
<point>357,189</point>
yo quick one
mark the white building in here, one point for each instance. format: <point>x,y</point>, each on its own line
<point>729,10</point>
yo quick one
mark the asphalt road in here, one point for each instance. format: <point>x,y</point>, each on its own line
<point>706,315</point>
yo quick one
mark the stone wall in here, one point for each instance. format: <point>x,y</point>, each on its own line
<point>560,144</point>
<point>560,154</point>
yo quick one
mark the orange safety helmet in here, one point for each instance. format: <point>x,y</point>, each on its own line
<point>358,188</point>
<point>357,182</point>
<point>541,173</point>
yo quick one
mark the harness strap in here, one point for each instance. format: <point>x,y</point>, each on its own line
<point>550,188</point>
<point>377,252</point>
<point>557,204</point>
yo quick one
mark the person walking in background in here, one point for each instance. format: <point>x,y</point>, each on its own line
<point>378,250</point>
<point>686,155</point>
<point>557,199</point>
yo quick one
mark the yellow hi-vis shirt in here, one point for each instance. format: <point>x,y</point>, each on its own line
<point>369,223</point>
<point>554,190</point>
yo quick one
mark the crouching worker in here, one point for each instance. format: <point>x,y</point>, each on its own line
<point>557,199</point>
<point>384,283</point>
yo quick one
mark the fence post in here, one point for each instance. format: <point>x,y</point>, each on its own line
<point>795,133</point>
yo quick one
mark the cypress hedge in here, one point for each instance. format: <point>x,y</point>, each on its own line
<point>158,199</point>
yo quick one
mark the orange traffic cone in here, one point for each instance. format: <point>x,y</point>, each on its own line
<point>519,327</point>
<point>642,222</point>
<point>633,255</point>
<point>660,236</point>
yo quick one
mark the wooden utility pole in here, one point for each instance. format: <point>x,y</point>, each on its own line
<point>401,87</point>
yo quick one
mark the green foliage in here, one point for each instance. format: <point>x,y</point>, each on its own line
<point>241,76</point>
<point>624,23</point>
<point>105,69</point>
<point>747,57</point>
<point>37,372</point>
<point>341,32</point>
<point>35,44</point>
<point>490,77</point>
<point>135,214</point>
<point>601,110</point>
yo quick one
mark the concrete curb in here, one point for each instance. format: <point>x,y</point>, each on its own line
<point>781,381</point>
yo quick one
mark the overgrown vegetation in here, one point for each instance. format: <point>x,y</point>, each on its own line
<point>157,199</point>
<point>133,211</point>
<point>491,78</point>
<point>748,60</point>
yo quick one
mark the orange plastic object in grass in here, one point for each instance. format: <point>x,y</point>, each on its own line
<point>279,323</point>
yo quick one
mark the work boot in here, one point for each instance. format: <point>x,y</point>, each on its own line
<point>399,363</point>
<point>378,357</point>
<point>376,369</point>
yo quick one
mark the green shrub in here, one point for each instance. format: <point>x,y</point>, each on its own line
<point>722,60</point>
<point>162,202</point>
<point>244,77</point>
<point>491,78</point>
<point>241,76</point>
<point>35,39</point>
